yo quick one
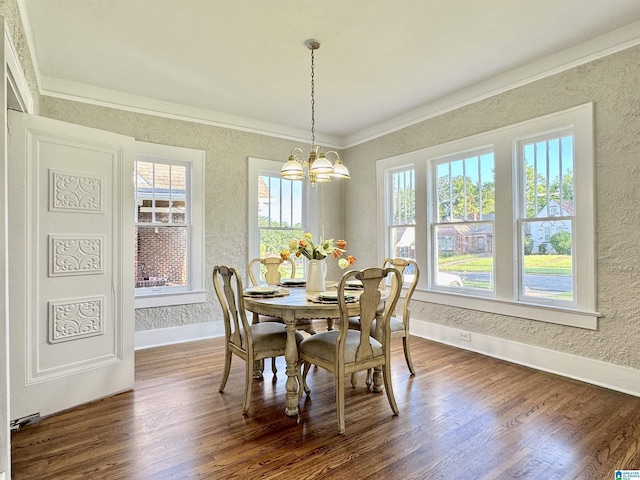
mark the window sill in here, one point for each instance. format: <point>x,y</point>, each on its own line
<point>168,299</point>
<point>560,316</point>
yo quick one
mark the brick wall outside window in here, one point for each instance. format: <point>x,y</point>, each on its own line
<point>161,256</point>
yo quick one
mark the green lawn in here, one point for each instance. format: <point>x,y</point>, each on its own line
<point>543,264</point>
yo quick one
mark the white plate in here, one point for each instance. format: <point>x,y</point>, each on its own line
<point>332,295</point>
<point>260,290</point>
<point>354,284</point>
<point>294,281</point>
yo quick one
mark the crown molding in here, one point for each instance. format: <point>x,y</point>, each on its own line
<point>68,90</point>
<point>599,47</point>
<point>586,52</point>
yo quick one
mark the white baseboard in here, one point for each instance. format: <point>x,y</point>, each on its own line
<point>597,372</point>
<point>167,336</point>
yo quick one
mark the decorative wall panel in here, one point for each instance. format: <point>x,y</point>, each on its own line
<point>76,318</point>
<point>74,192</point>
<point>76,255</point>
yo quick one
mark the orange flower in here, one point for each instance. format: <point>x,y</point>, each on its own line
<point>341,244</point>
<point>337,253</point>
<point>351,259</point>
<point>302,242</point>
<point>284,254</point>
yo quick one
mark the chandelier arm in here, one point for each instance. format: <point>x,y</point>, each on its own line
<point>334,152</point>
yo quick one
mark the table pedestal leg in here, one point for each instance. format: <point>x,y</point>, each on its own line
<point>377,380</point>
<point>291,357</point>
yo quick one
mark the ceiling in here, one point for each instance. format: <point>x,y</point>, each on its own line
<point>243,64</point>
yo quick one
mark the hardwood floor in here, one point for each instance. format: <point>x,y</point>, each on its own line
<point>463,415</point>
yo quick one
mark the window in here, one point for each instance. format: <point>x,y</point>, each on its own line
<point>169,225</point>
<point>502,221</point>
<point>402,215</point>
<point>547,204</point>
<point>277,212</point>
<point>462,221</point>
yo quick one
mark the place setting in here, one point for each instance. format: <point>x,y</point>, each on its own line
<point>293,282</point>
<point>331,297</point>
<point>265,291</point>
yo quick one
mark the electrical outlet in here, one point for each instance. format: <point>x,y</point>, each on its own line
<point>465,336</point>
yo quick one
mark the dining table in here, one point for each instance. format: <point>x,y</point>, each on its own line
<point>293,304</point>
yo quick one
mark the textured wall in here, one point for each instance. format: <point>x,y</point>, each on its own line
<point>226,220</point>
<point>613,85</point>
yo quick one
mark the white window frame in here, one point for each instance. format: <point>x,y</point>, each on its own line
<point>433,221</point>
<point>195,290</point>
<point>504,142</point>
<point>261,166</point>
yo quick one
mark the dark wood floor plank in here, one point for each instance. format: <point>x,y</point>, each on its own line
<point>463,415</point>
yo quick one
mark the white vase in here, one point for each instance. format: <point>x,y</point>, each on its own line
<point>316,276</point>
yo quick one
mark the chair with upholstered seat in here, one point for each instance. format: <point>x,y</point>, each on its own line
<point>249,342</point>
<point>346,351</point>
<point>399,326</point>
<point>273,276</point>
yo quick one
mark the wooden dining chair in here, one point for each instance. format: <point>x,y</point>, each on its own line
<point>249,342</point>
<point>399,325</point>
<point>273,276</point>
<point>272,270</point>
<point>345,351</point>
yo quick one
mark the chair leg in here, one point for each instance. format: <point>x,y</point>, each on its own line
<point>308,327</point>
<point>354,379</point>
<point>248,386</point>
<point>227,368</point>
<point>339,378</point>
<point>389,388</point>
<point>407,354</point>
<point>303,385</point>
<point>369,380</point>
<point>273,365</point>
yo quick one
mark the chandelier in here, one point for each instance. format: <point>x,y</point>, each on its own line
<point>317,168</point>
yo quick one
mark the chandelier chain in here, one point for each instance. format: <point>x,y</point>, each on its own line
<point>313,102</point>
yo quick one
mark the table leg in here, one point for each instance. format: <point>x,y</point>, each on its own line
<point>377,380</point>
<point>291,357</point>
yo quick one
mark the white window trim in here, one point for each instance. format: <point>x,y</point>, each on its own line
<point>195,292</point>
<point>585,314</point>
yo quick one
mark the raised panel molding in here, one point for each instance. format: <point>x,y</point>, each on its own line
<point>76,255</point>
<point>76,192</point>
<point>76,318</point>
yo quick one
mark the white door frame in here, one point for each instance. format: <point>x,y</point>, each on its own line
<point>14,93</point>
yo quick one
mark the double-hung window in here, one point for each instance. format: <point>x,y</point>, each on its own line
<point>462,228</point>
<point>169,229</point>
<point>501,222</point>
<point>278,211</point>
<point>546,217</point>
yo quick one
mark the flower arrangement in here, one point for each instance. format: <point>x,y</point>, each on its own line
<point>305,246</point>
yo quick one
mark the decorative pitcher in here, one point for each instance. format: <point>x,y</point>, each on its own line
<point>316,276</point>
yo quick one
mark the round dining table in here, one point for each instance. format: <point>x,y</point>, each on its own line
<point>293,304</point>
